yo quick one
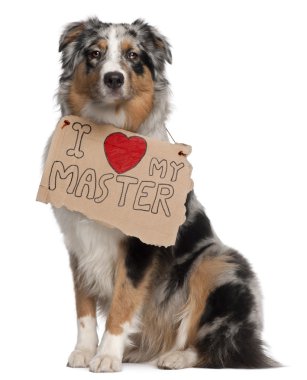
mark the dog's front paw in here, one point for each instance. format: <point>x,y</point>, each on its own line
<point>105,363</point>
<point>80,358</point>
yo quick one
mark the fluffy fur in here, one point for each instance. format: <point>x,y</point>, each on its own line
<point>196,303</point>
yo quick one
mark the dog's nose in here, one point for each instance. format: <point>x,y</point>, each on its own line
<point>114,79</point>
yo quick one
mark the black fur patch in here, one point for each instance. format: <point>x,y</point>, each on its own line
<point>244,270</point>
<point>190,233</point>
<point>132,33</point>
<point>232,300</point>
<point>243,350</point>
<point>139,258</point>
<point>180,272</point>
<point>148,62</point>
<point>138,68</point>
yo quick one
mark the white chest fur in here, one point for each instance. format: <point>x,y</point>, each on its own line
<point>96,248</point>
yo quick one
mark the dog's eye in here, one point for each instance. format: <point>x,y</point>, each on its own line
<point>132,55</point>
<point>95,54</point>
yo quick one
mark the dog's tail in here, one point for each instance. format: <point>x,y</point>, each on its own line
<point>244,349</point>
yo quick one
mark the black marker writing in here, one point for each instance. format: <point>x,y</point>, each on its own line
<point>81,129</point>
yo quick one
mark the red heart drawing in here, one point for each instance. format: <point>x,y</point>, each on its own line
<point>124,153</point>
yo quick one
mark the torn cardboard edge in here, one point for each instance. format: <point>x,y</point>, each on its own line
<point>119,178</point>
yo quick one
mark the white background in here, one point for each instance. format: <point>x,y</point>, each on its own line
<point>239,80</point>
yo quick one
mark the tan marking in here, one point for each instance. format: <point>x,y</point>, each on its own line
<point>126,298</point>
<point>159,44</point>
<point>85,304</point>
<point>127,45</point>
<point>102,44</point>
<point>203,279</point>
<point>138,108</point>
<point>82,88</point>
<point>73,34</point>
<point>82,324</point>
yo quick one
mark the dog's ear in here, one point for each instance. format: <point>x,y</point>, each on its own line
<point>70,34</point>
<point>158,41</point>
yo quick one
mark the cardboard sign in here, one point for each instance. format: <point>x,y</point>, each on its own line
<point>119,178</point>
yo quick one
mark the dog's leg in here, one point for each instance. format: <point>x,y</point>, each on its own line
<point>87,339</point>
<point>127,300</point>
<point>199,283</point>
<point>182,355</point>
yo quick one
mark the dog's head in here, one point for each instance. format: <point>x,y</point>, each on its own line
<point>112,67</point>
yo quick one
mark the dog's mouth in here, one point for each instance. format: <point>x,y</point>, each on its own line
<point>115,96</point>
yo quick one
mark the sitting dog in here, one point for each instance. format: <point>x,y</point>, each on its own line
<point>194,304</point>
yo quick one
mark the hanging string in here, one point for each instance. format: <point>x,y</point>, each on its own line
<point>181,153</point>
<point>170,135</point>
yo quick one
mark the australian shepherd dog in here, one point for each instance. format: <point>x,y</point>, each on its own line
<point>194,304</point>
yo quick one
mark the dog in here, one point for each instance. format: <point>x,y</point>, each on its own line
<point>194,304</point>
